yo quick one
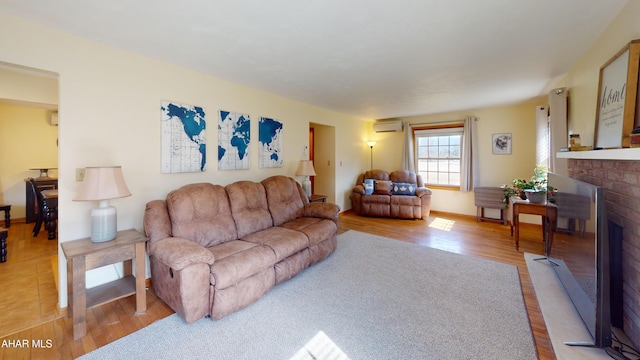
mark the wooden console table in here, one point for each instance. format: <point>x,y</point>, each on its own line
<point>83,255</point>
<point>548,211</point>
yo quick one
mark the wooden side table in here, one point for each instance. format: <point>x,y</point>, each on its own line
<point>490,198</point>
<point>83,255</point>
<point>317,198</point>
<point>548,211</point>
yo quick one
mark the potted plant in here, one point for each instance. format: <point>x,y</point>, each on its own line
<point>535,189</point>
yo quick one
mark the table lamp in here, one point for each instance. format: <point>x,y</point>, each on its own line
<point>305,168</point>
<point>101,184</point>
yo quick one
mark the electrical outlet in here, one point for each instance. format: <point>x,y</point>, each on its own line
<point>80,174</point>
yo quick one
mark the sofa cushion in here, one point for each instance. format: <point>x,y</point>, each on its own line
<point>317,230</point>
<point>405,207</point>
<point>282,241</point>
<point>400,188</point>
<point>285,199</point>
<point>406,176</point>
<point>237,260</point>
<point>201,213</point>
<point>382,187</point>
<point>249,207</point>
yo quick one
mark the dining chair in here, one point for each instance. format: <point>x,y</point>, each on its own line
<point>39,207</point>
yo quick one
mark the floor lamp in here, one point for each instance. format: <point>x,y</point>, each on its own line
<point>371,145</point>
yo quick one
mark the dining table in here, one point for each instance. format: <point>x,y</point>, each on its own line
<point>50,197</point>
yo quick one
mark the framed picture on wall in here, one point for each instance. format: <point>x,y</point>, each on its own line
<point>501,144</point>
<point>617,92</point>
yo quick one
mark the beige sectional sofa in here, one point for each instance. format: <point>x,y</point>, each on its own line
<point>399,194</point>
<point>216,249</point>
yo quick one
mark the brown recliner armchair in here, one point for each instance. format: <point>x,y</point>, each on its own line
<point>399,194</point>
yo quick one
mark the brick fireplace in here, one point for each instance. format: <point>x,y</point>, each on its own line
<point>620,180</point>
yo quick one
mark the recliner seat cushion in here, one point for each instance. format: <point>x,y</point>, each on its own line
<point>316,230</point>
<point>237,260</point>
<point>282,241</point>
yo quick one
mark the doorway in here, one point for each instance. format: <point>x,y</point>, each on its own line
<point>28,142</point>
<point>322,152</point>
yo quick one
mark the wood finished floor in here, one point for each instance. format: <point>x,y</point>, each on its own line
<point>28,258</point>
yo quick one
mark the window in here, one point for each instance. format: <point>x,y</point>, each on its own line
<point>439,155</point>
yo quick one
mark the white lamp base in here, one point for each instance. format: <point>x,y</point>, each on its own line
<point>306,186</point>
<point>103,224</point>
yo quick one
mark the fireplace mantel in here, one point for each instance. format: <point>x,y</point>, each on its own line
<point>607,154</point>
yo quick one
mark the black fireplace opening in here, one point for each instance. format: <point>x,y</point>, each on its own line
<point>615,264</point>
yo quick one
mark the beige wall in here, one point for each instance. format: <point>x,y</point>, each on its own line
<point>582,79</point>
<point>109,104</point>
<point>110,110</point>
<point>519,119</point>
<point>29,87</point>
<point>325,161</point>
<point>27,140</point>
<point>494,170</point>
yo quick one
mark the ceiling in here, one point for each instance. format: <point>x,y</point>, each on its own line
<point>372,59</point>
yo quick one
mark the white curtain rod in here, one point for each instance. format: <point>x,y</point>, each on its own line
<point>440,122</point>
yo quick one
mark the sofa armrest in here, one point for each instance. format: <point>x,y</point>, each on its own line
<point>358,189</point>
<point>422,191</point>
<point>322,210</point>
<point>178,253</point>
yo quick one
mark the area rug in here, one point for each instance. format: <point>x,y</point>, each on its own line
<point>374,298</point>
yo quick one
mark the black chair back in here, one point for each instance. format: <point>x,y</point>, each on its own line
<point>39,206</point>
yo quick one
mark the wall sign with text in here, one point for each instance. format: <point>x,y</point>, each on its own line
<point>617,92</point>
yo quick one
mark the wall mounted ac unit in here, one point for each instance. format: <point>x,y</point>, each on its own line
<point>387,126</point>
<point>53,120</point>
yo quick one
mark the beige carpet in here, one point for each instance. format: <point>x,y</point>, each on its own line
<point>374,298</point>
<point>562,320</point>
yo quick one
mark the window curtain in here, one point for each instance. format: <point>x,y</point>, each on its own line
<point>469,171</point>
<point>408,159</point>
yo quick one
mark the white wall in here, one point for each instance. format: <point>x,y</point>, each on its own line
<point>109,104</point>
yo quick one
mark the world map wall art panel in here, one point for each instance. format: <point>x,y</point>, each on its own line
<point>184,147</point>
<point>270,139</point>
<point>234,137</point>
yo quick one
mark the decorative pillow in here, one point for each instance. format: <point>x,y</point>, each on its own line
<point>399,188</point>
<point>382,187</point>
<point>368,186</point>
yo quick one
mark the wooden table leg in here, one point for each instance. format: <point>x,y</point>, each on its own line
<point>3,245</point>
<point>516,221</point>
<point>79,298</point>
<point>141,291</point>
<point>50,218</point>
